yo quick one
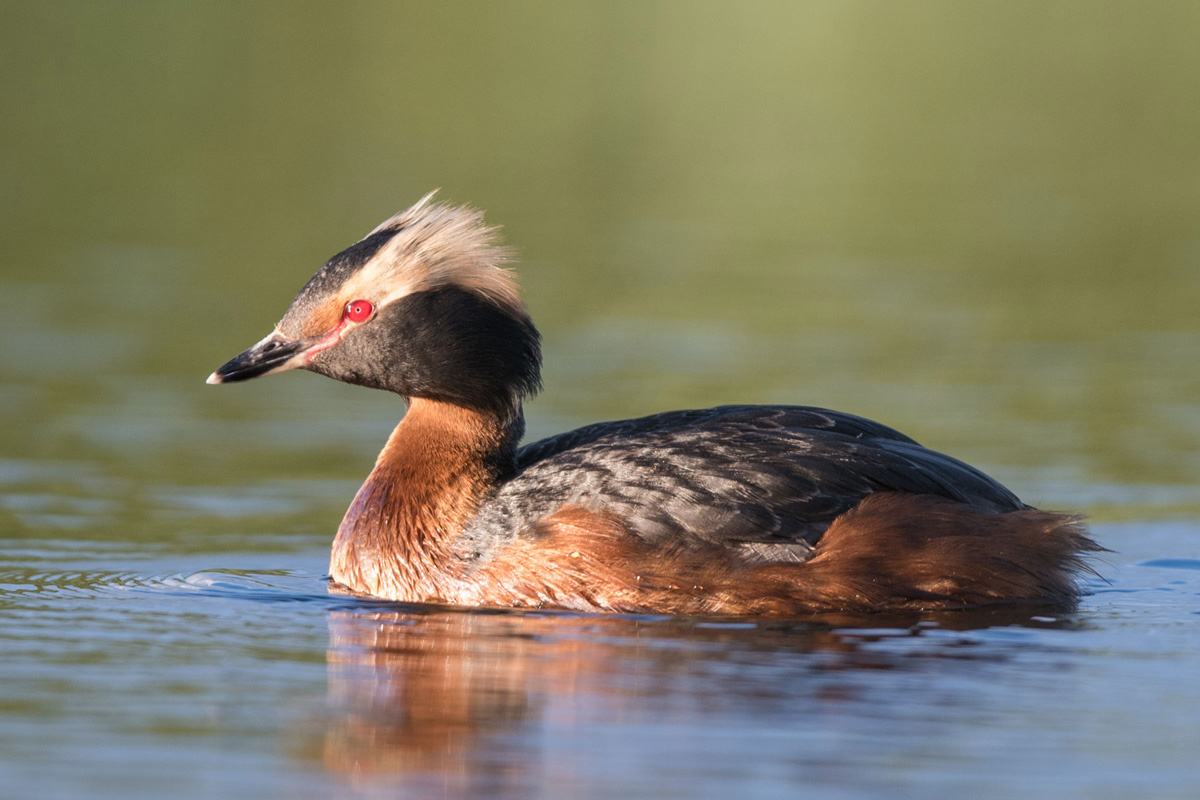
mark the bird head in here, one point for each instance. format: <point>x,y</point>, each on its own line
<point>422,306</point>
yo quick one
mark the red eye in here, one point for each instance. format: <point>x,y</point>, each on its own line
<point>359,310</point>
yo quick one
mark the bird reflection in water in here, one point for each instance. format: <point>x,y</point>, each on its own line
<point>455,703</point>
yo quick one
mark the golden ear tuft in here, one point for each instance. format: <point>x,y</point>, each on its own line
<point>436,245</point>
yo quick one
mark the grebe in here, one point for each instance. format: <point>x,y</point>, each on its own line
<point>768,510</point>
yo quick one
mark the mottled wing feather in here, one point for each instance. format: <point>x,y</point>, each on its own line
<point>760,477</point>
<point>765,418</point>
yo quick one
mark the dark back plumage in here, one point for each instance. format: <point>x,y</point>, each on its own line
<point>732,476</point>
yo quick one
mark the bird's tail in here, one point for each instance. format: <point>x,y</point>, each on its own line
<point>907,551</point>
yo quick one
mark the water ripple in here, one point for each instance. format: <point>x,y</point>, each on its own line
<point>1172,563</point>
<point>275,585</point>
<point>68,582</point>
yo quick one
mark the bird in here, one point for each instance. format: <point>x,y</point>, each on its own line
<point>737,510</point>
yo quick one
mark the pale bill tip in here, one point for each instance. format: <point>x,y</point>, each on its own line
<point>214,378</point>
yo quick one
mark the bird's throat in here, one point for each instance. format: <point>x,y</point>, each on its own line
<point>435,470</point>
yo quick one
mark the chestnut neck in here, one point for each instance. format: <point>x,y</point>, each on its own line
<point>439,464</point>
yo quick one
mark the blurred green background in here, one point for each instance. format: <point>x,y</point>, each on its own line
<point>977,222</point>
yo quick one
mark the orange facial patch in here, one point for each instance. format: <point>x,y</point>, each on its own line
<point>324,318</point>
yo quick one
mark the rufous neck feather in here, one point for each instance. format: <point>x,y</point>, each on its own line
<point>428,481</point>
